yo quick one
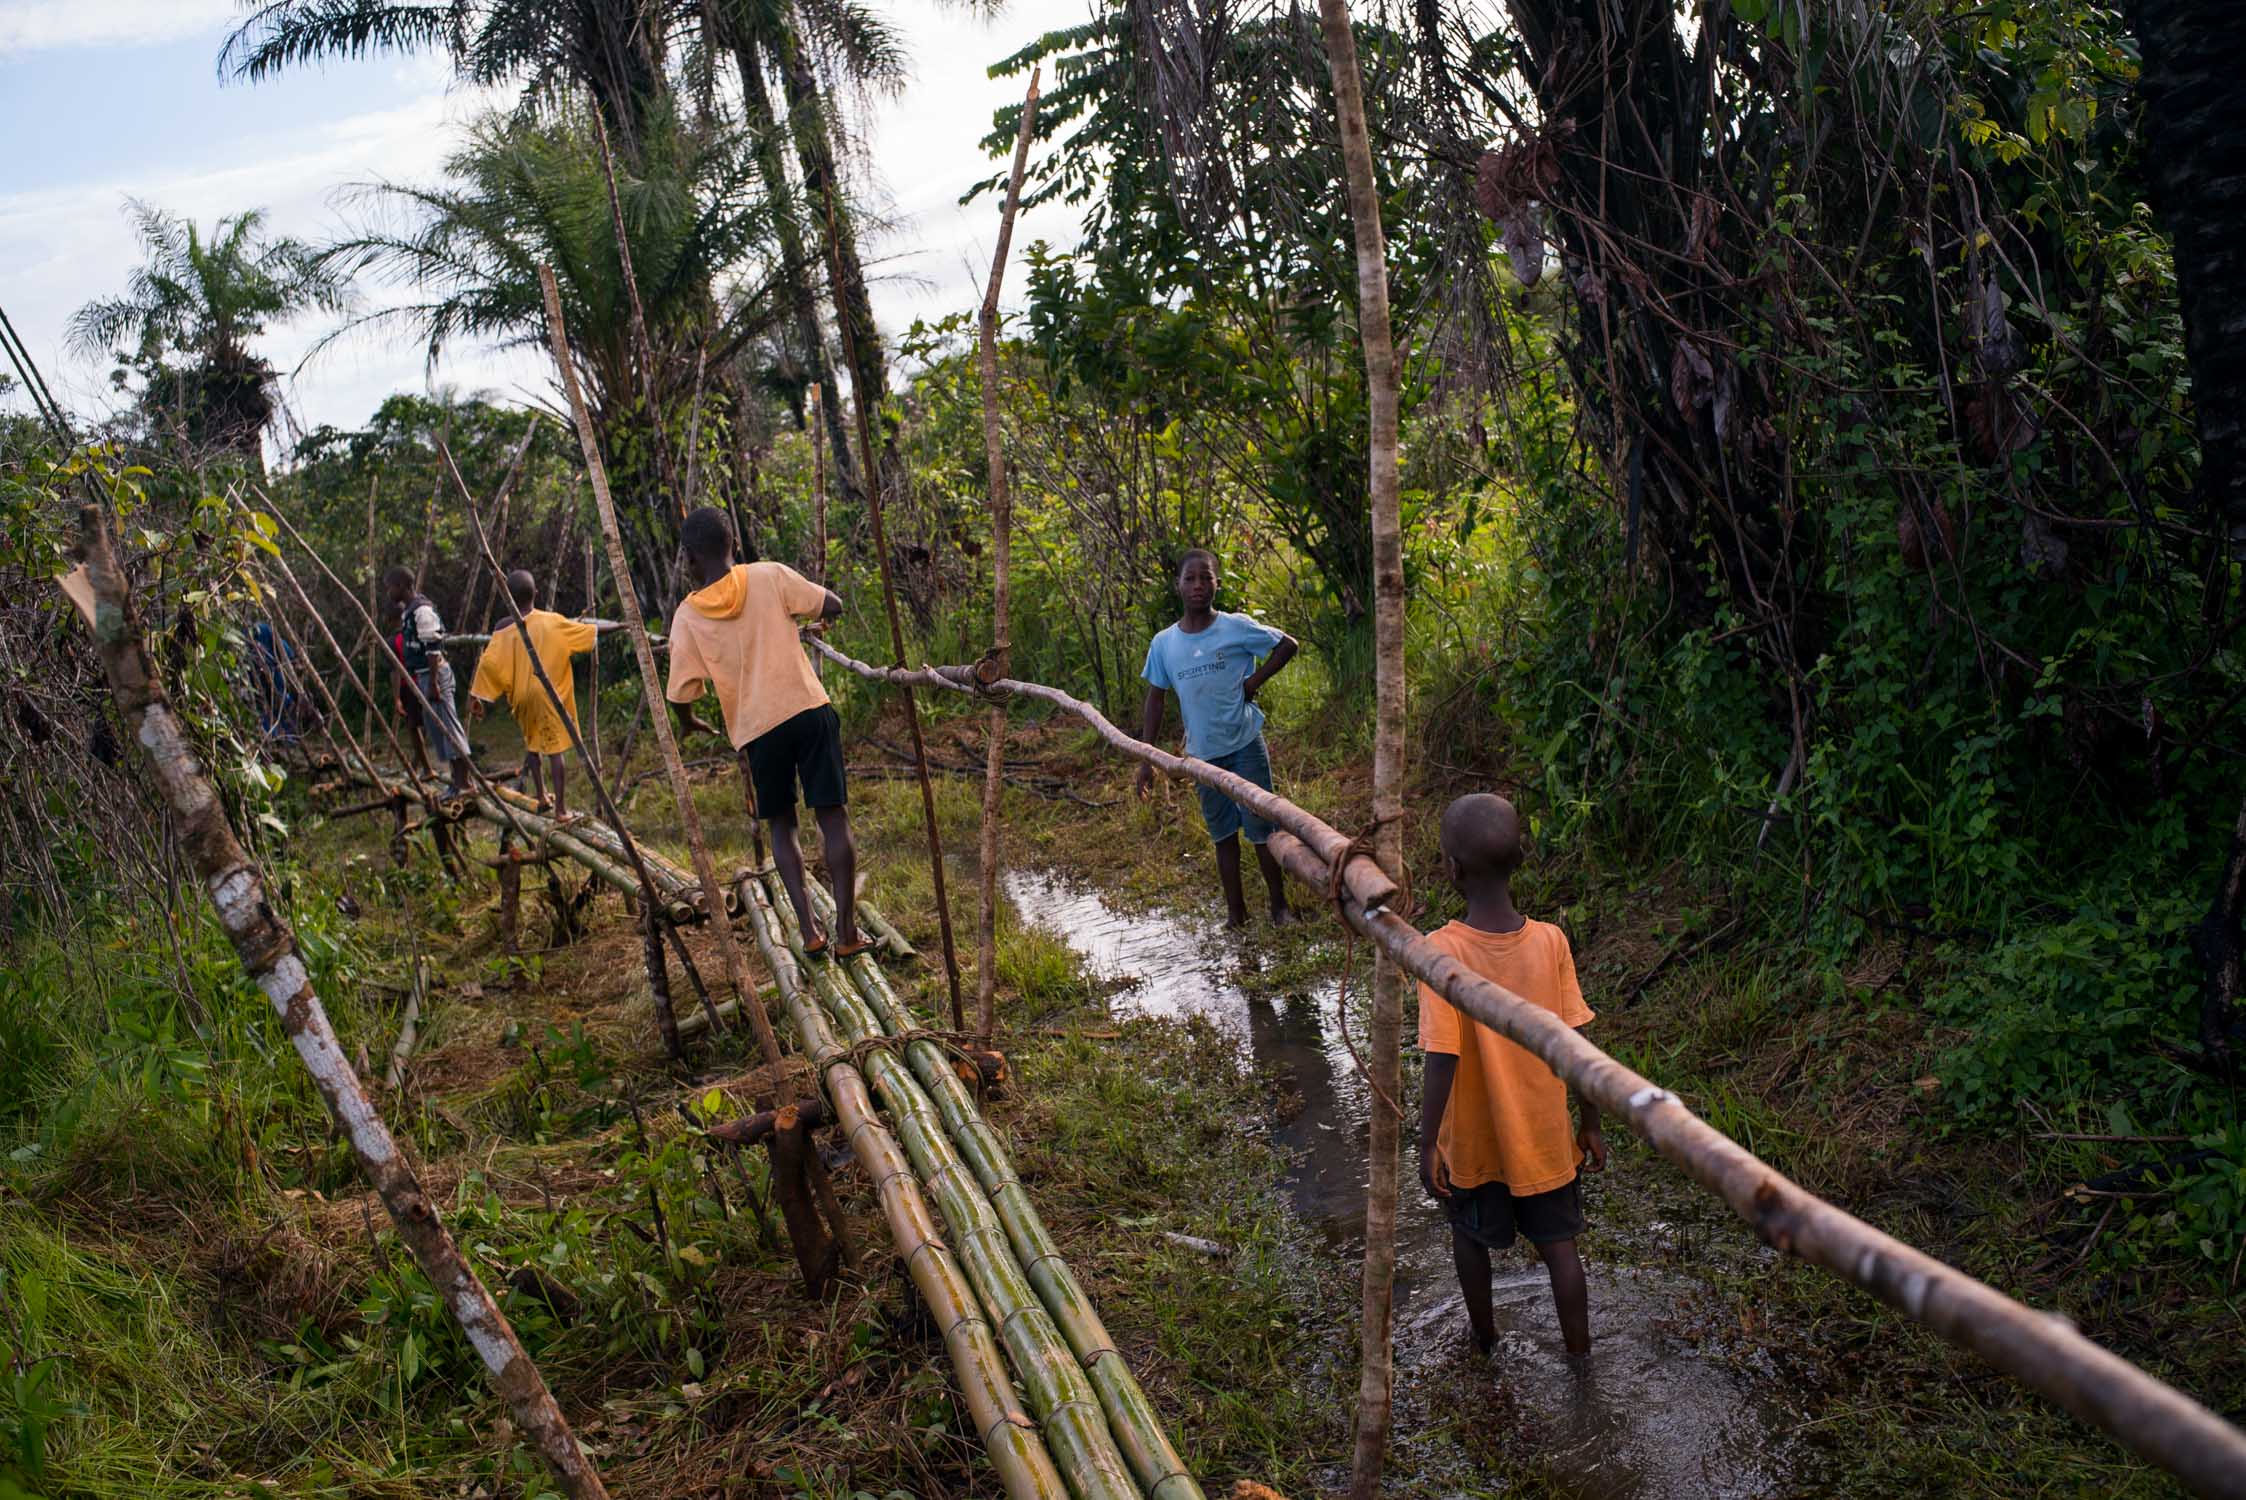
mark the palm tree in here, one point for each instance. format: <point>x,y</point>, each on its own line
<point>528,191</point>
<point>820,52</point>
<point>192,309</point>
<point>863,54</point>
<point>614,48</point>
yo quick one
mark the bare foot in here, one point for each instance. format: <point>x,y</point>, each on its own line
<point>1237,922</point>
<point>1283,915</point>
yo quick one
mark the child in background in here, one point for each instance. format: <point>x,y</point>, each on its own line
<point>421,649</point>
<point>1495,1149</point>
<point>504,671</point>
<point>1209,659</point>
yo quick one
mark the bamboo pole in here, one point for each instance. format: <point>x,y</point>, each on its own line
<point>374,598</point>
<point>1376,1372</point>
<point>666,1017</point>
<point>643,348</point>
<point>818,489</point>
<point>682,791</point>
<point>874,482</point>
<point>405,766</point>
<point>592,684</point>
<point>267,949</point>
<point>1154,1462</point>
<point>466,639</point>
<point>886,930</point>
<point>1017,1451</point>
<point>469,615</point>
<point>2044,1353</point>
<point>1365,878</point>
<point>475,772</point>
<point>1060,1392</point>
<point>1001,558</point>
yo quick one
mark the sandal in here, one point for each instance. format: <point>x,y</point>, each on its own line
<point>864,944</point>
<point>816,947</point>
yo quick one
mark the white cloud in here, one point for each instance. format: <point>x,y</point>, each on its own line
<point>62,247</point>
<point>37,25</point>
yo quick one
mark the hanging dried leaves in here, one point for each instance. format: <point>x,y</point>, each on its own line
<point>1511,186</point>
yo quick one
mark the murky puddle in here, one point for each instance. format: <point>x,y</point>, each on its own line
<point>1660,1411</point>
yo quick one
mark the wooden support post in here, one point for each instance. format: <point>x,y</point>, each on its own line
<point>659,977</point>
<point>374,599</point>
<point>592,668</point>
<point>682,791</point>
<point>791,1154</point>
<point>666,1019</point>
<point>1002,550</point>
<point>510,893</point>
<point>267,949</point>
<point>874,480</point>
<point>818,490</point>
<point>1376,1377</point>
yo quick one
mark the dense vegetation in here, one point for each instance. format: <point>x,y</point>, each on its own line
<point>1804,512</point>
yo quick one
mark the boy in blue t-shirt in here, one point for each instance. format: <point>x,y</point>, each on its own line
<point>1210,661</point>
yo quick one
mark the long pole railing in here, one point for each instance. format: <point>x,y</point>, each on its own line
<point>2043,1351</point>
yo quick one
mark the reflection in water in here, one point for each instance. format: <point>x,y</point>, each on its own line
<point>1650,1415</point>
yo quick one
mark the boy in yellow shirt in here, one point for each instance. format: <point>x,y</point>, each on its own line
<point>735,635</point>
<point>504,671</point>
<point>1495,1147</point>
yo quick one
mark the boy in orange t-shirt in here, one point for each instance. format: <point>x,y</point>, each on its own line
<point>504,672</point>
<point>1495,1148</point>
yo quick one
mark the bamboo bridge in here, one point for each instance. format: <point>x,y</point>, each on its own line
<point>1055,1404</point>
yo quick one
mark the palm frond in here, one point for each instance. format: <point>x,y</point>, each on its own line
<point>284,34</point>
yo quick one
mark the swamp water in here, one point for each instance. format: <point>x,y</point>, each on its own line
<point>1661,1412</point>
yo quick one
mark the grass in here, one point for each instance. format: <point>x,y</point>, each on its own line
<point>214,1310</point>
<point>260,1331</point>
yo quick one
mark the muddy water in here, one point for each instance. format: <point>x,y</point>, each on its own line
<point>1663,1409</point>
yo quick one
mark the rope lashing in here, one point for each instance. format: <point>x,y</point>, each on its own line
<point>1337,891</point>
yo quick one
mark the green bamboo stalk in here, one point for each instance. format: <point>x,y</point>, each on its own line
<point>870,917</point>
<point>679,888</point>
<point>1017,1451</point>
<point>1154,1461</point>
<point>1059,1390</point>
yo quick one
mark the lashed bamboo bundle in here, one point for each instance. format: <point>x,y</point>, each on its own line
<point>1024,1463</point>
<point>599,843</point>
<point>1154,1461</point>
<point>1060,1391</point>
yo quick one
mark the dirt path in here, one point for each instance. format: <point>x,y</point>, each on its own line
<point>1668,1407</point>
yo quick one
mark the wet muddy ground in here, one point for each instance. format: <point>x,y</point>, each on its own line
<point>1668,1405</point>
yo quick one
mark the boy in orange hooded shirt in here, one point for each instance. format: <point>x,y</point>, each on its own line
<point>735,635</point>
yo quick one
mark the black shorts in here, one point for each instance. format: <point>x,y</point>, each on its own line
<point>808,746</point>
<point>1490,1215</point>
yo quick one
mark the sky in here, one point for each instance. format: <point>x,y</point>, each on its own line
<point>104,100</point>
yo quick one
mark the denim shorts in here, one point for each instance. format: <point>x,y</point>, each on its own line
<point>1225,817</point>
